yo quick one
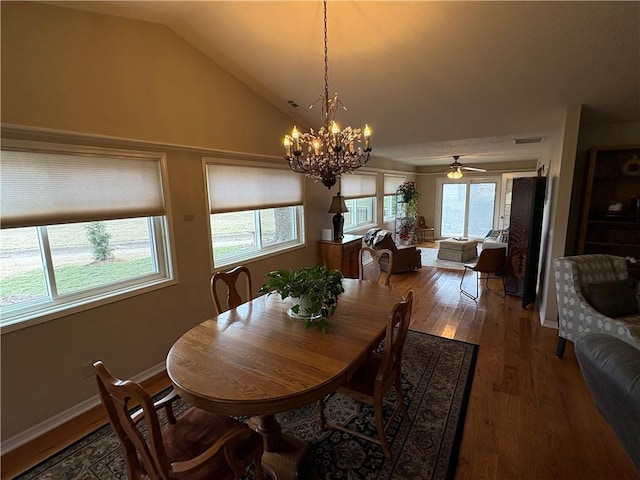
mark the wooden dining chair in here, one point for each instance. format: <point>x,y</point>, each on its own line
<point>231,279</point>
<point>491,262</point>
<point>196,445</point>
<point>371,382</point>
<point>373,271</point>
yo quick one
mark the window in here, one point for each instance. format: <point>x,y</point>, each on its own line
<point>255,211</point>
<point>468,208</point>
<point>78,227</point>
<point>359,191</point>
<point>391,184</point>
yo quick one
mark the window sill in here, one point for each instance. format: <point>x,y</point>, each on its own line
<point>52,312</point>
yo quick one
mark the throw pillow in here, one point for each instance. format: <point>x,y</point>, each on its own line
<point>494,234</point>
<point>613,299</point>
<point>503,237</point>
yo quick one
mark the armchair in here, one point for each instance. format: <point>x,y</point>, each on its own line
<point>406,258</point>
<point>584,282</point>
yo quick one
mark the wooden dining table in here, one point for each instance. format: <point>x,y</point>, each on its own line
<point>255,360</point>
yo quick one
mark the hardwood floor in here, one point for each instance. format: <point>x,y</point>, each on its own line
<point>530,415</point>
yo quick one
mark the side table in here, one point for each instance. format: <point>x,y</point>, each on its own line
<point>341,254</point>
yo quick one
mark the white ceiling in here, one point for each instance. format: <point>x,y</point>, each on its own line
<point>432,79</point>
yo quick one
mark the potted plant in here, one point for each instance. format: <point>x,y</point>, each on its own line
<point>407,209</point>
<point>315,292</point>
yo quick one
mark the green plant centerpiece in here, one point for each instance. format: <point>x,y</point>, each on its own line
<point>315,291</point>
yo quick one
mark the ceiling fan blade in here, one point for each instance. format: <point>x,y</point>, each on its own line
<point>473,169</point>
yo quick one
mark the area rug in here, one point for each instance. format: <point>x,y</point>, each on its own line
<point>430,258</point>
<point>437,376</point>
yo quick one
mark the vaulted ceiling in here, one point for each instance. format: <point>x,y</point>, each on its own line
<point>433,79</point>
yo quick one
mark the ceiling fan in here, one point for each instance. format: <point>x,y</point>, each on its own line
<point>455,170</point>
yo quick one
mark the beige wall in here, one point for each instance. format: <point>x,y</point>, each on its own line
<point>73,71</point>
<point>79,71</point>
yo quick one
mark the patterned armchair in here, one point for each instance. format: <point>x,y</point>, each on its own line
<point>576,280</point>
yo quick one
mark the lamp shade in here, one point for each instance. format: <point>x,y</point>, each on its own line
<point>338,205</point>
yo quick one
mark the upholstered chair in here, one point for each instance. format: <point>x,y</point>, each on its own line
<point>406,258</point>
<point>594,294</point>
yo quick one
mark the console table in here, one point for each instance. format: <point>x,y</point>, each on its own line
<point>341,254</point>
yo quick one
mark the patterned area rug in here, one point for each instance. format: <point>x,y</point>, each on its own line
<point>437,376</point>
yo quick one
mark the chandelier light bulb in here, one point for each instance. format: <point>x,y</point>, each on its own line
<point>455,174</point>
<point>287,145</point>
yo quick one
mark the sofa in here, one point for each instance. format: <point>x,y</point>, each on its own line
<point>611,370</point>
<point>406,258</point>
<point>595,295</point>
<point>496,239</point>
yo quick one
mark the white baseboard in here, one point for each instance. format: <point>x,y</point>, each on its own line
<point>67,415</point>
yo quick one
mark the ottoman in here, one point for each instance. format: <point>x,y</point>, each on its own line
<point>458,250</point>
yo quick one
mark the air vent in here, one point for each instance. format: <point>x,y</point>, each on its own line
<point>522,141</point>
<point>292,103</point>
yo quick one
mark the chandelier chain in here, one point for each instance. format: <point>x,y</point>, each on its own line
<point>326,69</point>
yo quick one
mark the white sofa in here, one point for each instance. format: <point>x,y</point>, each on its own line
<point>496,239</point>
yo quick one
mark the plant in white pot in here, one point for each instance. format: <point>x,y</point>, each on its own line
<point>314,290</point>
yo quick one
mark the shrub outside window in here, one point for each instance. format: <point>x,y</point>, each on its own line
<point>78,227</point>
<point>255,211</point>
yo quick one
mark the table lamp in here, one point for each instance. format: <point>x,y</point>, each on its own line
<point>338,207</point>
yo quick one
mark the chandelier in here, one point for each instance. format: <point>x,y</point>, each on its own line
<point>328,153</point>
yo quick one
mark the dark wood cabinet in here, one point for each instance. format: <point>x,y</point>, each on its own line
<point>525,231</point>
<point>341,254</point>
<point>610,221</point>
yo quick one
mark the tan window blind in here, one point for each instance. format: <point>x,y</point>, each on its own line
<point>358,185</point>
<point>391,183</point>
<point>53,188</point>
<point>234,188</point>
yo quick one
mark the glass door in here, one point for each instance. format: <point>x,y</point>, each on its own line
<point>468,208</point>
<point>505,204</point>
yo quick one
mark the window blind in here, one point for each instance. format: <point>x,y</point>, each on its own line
<point>358,185</point>
<point>391,183</point>
<point>234,188</point>
<point>40,188</point>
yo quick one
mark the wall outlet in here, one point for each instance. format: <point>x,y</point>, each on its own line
<point>86,369</point>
